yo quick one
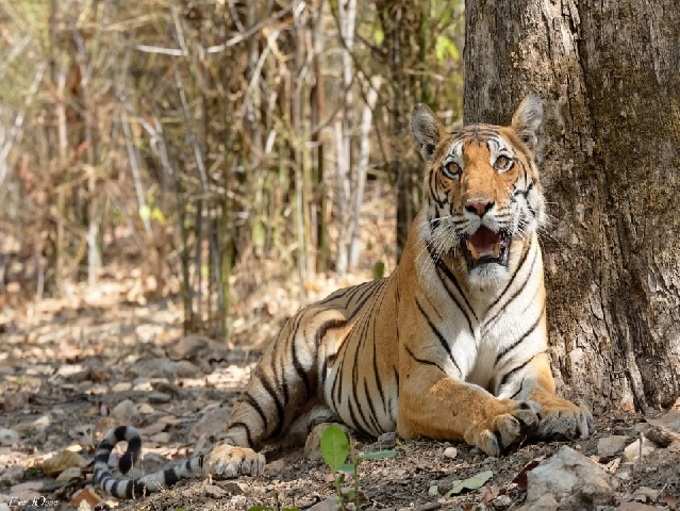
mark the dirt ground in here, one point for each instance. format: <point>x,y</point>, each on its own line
<point>72,368</point>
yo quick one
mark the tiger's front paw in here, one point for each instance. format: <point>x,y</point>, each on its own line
<point>560,418</point>
<point>229,461</point>
<point>514,421</point>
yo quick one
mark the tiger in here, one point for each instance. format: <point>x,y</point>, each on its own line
<point>452,345</point>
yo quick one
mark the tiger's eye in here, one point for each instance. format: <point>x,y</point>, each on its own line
<point>451,170</point>
<point>503,163</point>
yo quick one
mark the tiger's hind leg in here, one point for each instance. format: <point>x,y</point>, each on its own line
<point>301,428</point>
<point>283,381</point>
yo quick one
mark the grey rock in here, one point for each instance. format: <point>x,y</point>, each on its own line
<point>125,411</point>
<point>211,423</point>
<point>502,502</point>
<point>159,397</point>
<point>568,474</point>
<point>451,452</point>
<point>386,441</point>
<point>8,437</point>
<point>330,504</point>
<point>165,368</point>
<point>670,420</point>
<point>611,445</point>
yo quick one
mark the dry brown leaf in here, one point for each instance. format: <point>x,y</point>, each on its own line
<point>489,493</point>
<point>62,461</point>
<point>87,495</point>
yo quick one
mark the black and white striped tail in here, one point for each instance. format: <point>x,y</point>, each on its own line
<point>134,488</point>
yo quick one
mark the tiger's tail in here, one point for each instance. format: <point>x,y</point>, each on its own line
<point>149,483</point>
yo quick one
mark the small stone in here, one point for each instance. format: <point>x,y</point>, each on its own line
<point>231,487</point>
<point>433,491</point>
<point>185,369</point>
<point>72,371</point>
<point>501,502</point>
<point>632,452</point>
<point>567,473</point>
<point>670,420</point>
<point>146,409</point>
<point>11,475</point>
<point>386,440</point>
<point>27,490</point>
<point>123,386</point>
<point>154,427</point>
<point>330,504</point>
<point>214,492</point>
<point>611,445</point>
<point>8,437</point>
<point>644,494</point>
<point>164,368</point>
<point>275,467</point>
<point>451,452</point>
<point>125,411</point>
<point>189,346</point>
<point>142,385</point>
<point>41,423</point>
<point>69,474</point>
<point>38,425</point>
<point>160,438</point>
<point>211,423</point>
<point>159,397</point>
<point>661,436</point>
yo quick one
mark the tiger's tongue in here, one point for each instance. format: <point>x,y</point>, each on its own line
<point>484,242</point>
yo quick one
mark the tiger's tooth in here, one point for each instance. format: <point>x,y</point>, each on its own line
<point>472,249</point>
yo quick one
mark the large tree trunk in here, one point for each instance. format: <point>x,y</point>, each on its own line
<point>609,74</point>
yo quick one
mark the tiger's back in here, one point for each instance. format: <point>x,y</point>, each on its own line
<point>338,354</point>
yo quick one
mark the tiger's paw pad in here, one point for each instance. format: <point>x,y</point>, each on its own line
<point>564,419</point>
<point>228,461</point>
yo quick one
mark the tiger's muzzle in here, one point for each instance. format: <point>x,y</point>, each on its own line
<point>485,246</point>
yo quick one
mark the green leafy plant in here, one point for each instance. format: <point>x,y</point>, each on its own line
<point>337,452</point>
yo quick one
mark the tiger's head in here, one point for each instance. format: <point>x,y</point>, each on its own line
<point>483,194</point>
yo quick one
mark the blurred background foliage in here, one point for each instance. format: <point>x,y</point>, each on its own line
<point>209,145</point>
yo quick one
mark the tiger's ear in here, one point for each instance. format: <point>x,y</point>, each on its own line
<point>426,130</point>
<point>527,120</point>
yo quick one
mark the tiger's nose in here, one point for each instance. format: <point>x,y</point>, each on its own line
<point>479,207</point>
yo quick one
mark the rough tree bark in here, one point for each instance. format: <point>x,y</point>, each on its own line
<point>609,72</point>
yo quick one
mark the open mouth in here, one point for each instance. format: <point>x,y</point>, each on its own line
<point>486,247</point>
